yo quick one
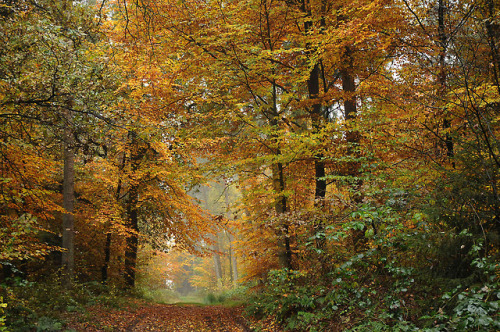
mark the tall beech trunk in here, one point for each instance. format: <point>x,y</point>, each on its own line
<point>353,139</point>
<point>217,262</point>
<point>132,214</point>
<point>493,30</point>
<point>280,204</point>
<point>68,220</point>
<point>443,41</point>
<point>107,246</point>
<point>280,207</point>
<point>313,90</point>
<point>350,109</point>
<point>232,260</point>
<point>313,87</point>
<point>278,176</point>
<point>107,258</point>
<point>232,257</point>
<point>132,239</point>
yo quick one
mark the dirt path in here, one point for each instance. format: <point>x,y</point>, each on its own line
<point>158,317</point>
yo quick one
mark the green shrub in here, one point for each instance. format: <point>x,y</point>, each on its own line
<point>371,291</point>
<point>38,305</point>
<point>48,324</point>
<point>229,297</point>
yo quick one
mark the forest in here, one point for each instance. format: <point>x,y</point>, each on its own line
<point>285,165</point>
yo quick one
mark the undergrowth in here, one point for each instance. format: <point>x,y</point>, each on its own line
<point>378,290</point>
<point>41,305</point>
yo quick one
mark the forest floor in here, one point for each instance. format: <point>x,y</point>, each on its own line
<point>143,316</point>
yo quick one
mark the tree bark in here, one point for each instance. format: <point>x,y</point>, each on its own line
<point>280,207</point>
<point>443,40</point>
<point>353,139</point>
<point>68,221</point>
<point>493,30</point>
<point>313,89</point>
<point>217,262</point>
<point>107,246</point>
<point>280,204</point>
<point>132,214</point>
<point>107,257</point>
<point>233,261</point>
<point>232,257</point>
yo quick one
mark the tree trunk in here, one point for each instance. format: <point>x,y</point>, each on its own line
<point>132,214</point>
<point>352,138</point>
<point>233,261</point>
<point>107,257</point>
<point>232,256</point>
<point>313,89</point>
<point>493,30</point>
<point>107,247</point>
<point>217,262</point>
<point>280,204</point>
<point>132,239</point>
<point>68,221</point>
<point>313,86</point>
<point>280,207</point>
<point>443,40</point>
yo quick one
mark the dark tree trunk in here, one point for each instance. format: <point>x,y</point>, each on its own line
<point>68,221</point>
<point>132,239</point>
<point>280,206</point>
<point>313,89</point>
<point>493,30</point>
<point>132,215</point>
<point>107,257</point>
<point>443,41</point>
<point>353,139</point>
<point>107,246</point>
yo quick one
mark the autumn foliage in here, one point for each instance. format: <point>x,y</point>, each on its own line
<point>338,159</point>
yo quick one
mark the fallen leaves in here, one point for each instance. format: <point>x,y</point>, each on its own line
<point>159,317</point>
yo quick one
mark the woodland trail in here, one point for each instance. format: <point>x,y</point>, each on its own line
<point>160,317</point>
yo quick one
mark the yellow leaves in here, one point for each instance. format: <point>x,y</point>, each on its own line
<point>479,97</point>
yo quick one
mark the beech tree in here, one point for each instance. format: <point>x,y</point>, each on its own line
<point>49,83</point>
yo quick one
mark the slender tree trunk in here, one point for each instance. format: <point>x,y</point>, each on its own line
<point>280,204</point>
<point>68,222</point>
<point>353,139</point>
<point>313,90</point>
<point>233,260</point>
<point>107,258</point>
<point>132,239</point>
<point>493,29</point>
<point>280,207</point>
<point>232,257</point>
<point>217,262</point>
<point>313,87</point>
<point>132,214</point>
<point>350,113</point>
<point>107,246</point>
<point>443,40</point>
